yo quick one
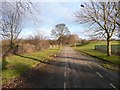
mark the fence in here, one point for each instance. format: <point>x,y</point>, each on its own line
<point>115,49</point>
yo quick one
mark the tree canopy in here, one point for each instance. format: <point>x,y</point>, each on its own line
<point>103,18</point>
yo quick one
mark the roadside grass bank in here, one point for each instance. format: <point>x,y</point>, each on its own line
<point>13,66</point>
<point>110,62</point>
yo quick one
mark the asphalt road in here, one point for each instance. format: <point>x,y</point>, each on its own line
<point>72,70</point>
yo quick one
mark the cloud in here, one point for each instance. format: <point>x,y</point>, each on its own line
<point>26,32</point>
<point>43,30</point>
<point>65,13</point>
<point>54,13</point>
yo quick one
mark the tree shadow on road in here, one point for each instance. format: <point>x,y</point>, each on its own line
<point>82,59</point>
<point>52,74</point>
<point>37,77</point>
<point>58,62</point>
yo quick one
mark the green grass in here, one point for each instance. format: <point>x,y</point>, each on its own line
<point>15,65</point>
<point>89,49</point>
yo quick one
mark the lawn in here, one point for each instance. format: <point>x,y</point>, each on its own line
<point>89,49</point>
<point>15,65</point>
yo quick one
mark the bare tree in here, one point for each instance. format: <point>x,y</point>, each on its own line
<point>60,31</point>
<point>38,40</point>
<point>102,16</point>
<point>11,23</point>
<point>73,39</point>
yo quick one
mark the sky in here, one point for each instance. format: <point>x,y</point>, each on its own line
<point>51,14</point>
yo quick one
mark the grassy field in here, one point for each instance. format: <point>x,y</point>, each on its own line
<point>14,65</point>
<point>89,49</point>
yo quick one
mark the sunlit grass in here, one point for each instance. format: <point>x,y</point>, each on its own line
<point>89,49</point>
<point>15,64</point>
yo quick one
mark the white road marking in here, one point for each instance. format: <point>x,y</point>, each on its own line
<point>64,85</point>
<point>99,74</point>
<point>112,85</point>
<point>64,74</point>
<point>65,67</point>
<point>90,66</point>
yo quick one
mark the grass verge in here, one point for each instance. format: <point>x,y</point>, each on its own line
<point>15,65</point>
<point>89,49</point>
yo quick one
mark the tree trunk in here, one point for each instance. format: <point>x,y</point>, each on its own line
<point>74,44</point>
<point>61,43</point>
<point>108,47</point>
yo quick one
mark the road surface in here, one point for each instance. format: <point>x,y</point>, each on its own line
<point>72,70</point>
